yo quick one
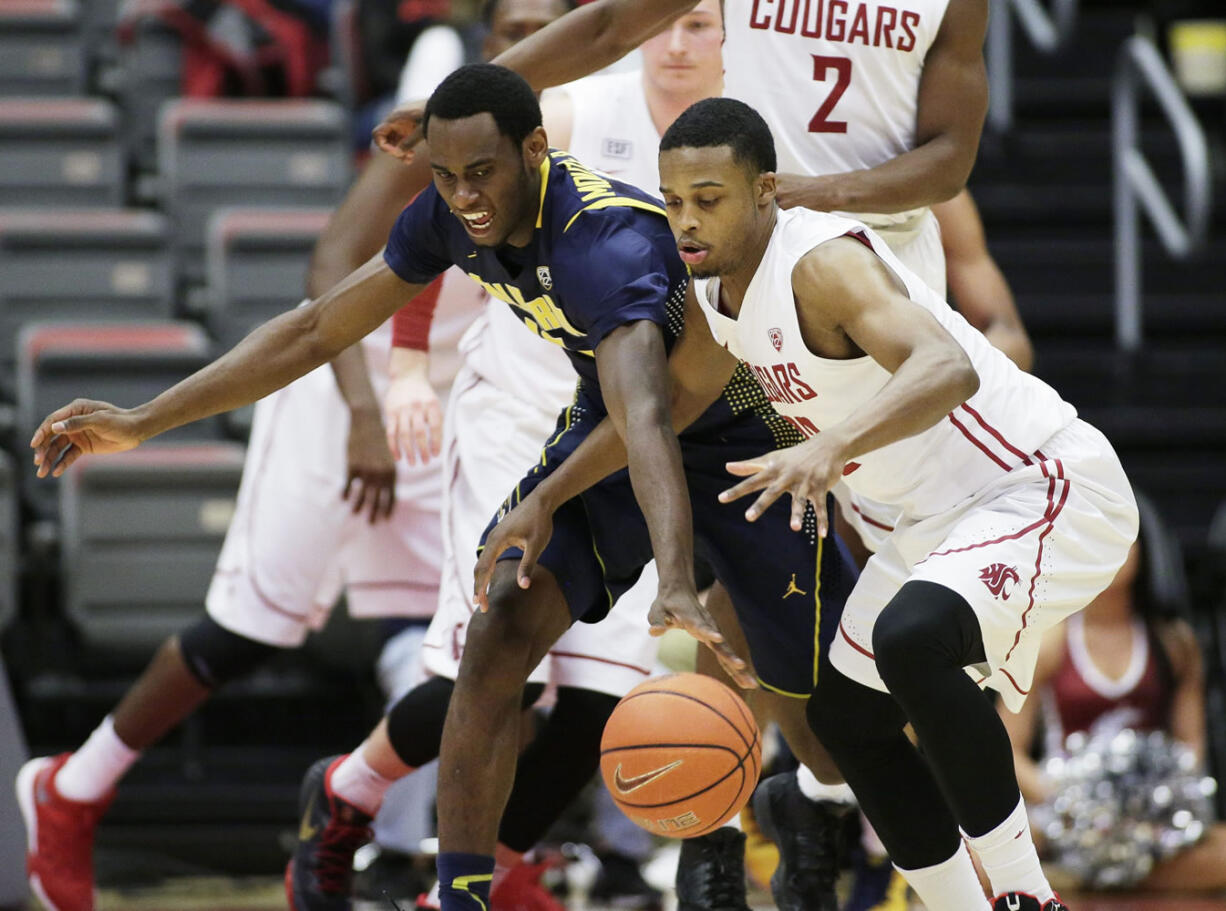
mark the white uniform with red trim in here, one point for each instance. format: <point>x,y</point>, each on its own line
<point>293,543</point>
<point>838,83</point>
<point>503,408</point>
<point>1011,501</point>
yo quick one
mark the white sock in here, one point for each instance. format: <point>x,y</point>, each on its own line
<point>355,782</point>
<point>951,884</point>
<point>1009,857</point>
<point>93,771</point>
<point>815,790</point>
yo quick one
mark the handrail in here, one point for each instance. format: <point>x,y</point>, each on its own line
<point>1134,180</point>
<point>1047,31</point>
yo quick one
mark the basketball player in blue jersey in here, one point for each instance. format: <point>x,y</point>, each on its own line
<point>591,264</point>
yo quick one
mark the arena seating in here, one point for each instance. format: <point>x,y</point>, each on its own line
<point>256,262</point>
<point>141,533</point>
<point>8,540</point>
<point>121,268</point>
<point>61,152</point>
<point>149,60</point>
<point>41,47</point>
<point>213,154</point>
<point>122,363</point>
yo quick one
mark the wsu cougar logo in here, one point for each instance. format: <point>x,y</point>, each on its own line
<point>996,576</point>
<point>776,337</point>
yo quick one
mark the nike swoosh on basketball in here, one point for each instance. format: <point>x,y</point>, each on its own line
<point>630,785</point>
<point>306,831</point>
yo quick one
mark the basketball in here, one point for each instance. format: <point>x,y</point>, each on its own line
<point>680,755</point>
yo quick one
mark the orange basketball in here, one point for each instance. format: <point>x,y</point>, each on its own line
<point>681,754</point>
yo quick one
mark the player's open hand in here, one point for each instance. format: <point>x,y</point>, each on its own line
<point>414,418</point>
<point>80,428</point>
<point>528,526</point>
<point>371,472</point>
<point>683,610</point>
<point>807,471</point>
<point>400,132</point>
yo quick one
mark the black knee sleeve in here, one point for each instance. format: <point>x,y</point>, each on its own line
<point>925,626</point>
<point>215,655</point>
<point>556,766</point>
<point>415,722</point>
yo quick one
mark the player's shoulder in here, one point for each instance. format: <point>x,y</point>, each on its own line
<point>583,201</point>
<point>600,86</point>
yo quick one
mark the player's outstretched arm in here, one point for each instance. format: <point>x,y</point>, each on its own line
<point>271,357</point>
<point>841,286</point>
<point>581,42</point>
<point>950,109</point>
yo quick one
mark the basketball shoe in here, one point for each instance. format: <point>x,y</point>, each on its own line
<point>521,890</point>
<point>59,837</point>
<point>711,872</point>
<point>319,875</point>
<point>1022,901</point>
<point>809,834</point>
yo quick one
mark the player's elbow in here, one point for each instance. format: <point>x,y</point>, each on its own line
<point>311,338</point>
<point>963,378</point>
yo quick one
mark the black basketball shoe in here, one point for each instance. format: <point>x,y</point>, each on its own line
<point>319,876</point>
<point>809,834</point>
<point>711,872</point>
<point>1023,901</point>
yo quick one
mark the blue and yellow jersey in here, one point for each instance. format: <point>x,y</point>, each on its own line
<point>602,256</point>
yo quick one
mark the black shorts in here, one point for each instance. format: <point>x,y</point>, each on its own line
<point>788,587</point>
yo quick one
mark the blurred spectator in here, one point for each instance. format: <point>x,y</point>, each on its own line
<point>1128,661</point>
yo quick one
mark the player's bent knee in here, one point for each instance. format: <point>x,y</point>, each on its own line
<point>925,627</point>
<point>215,655</point>
<point>846,714</point>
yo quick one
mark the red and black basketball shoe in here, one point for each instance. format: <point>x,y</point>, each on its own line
<point>319,876</point>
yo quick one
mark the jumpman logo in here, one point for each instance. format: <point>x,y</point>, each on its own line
<point>793,588</point>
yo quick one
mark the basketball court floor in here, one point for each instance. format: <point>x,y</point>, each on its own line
<point>267,894</point>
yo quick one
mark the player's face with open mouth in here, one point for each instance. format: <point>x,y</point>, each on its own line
<point>711,207</point>
<point>484,178</point>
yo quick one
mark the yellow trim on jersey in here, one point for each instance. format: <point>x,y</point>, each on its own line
<point>817,608</point>
<point>628,201</point>
<point>775,689</point>
<point>540,209</point>
<point>461,883</point>
<point>557,436</point>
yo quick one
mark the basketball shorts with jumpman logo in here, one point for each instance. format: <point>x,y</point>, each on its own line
<point>788,587</point>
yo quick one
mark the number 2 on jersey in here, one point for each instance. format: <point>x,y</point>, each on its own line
<point>842,79</point>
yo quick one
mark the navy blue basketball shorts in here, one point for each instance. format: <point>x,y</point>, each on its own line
<point>788,587</point>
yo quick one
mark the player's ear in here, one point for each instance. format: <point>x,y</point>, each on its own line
<point>536,147</point>
<point>764,188</point>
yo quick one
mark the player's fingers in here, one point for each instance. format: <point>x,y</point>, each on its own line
<point>392,432</point>
<point>764,501</point>
<point>50,454</point>
<point>405,424</point>
<point>823,520</point>
<point>736,668</point>
<point>746,487</point>
<point>421,433</point>
<point>800,501</point>
<point>361,494</point>
<point>348,485</point>
<point>481,578</point>
<point>747,467</point>
<point>389,498</point>
<point>70,455</point>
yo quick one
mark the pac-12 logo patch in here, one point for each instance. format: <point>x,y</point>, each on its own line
<point>997,577</point>
<point>543,276</point>
<point>776,337</point>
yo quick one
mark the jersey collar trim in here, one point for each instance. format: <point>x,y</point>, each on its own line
<point>540,212</point>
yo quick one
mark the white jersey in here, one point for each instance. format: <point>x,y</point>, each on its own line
<point>998,428</point>
<point>612,128</point>
<point>837,80</point>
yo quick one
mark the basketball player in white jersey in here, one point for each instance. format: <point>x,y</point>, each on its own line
<point>293,545</point>
<point>1013,513</point>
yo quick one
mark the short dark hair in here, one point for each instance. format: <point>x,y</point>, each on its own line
<point>483,88</point>
<point>724,122</point>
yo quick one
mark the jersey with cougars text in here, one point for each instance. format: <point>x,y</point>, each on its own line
<point>1011,416</point>
<point>837,80</point>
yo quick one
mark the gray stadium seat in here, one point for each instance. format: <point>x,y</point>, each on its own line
<point>256,262</point>
<point>8,540</point>
<point>141,531</point>
<point>122,363</point>
<point>121,268</point>
<point>42,50</point>
<point>213,154</point>
<point>63,152</point>
<point>151,73</point>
